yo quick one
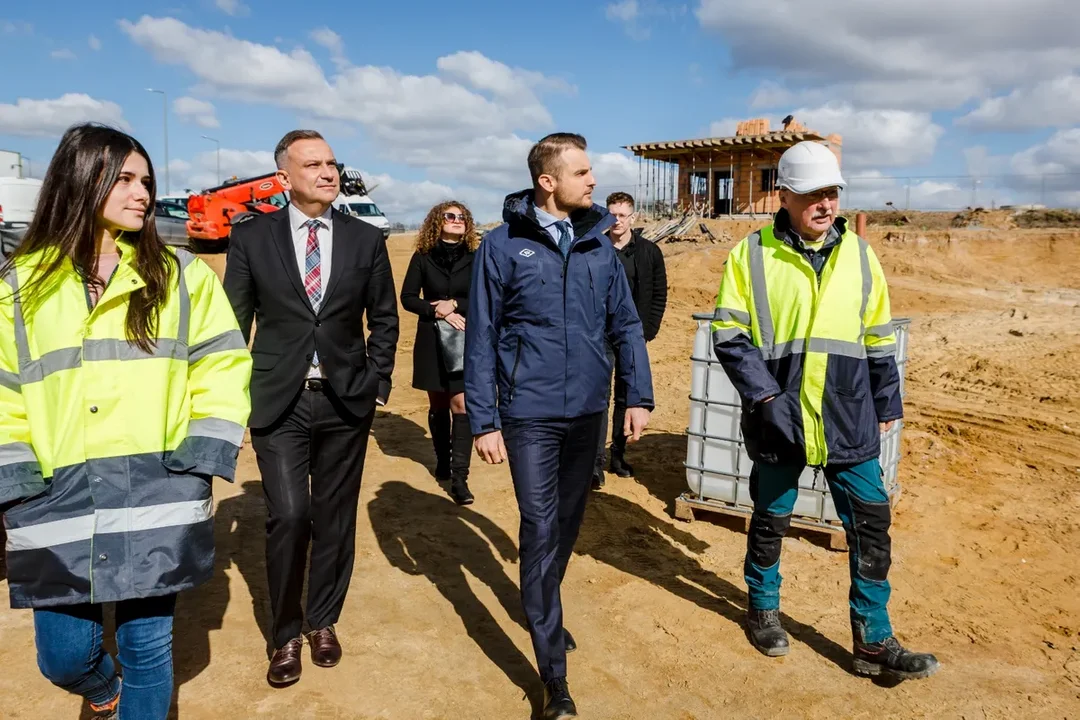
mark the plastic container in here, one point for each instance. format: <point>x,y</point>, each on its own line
<point>717,466</point>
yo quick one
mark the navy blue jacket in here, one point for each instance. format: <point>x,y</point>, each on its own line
<point>534,341</point>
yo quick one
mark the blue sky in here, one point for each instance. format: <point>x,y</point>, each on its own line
<point>432,102</point>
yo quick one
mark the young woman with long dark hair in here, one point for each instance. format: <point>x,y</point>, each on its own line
<point>436,287</point>
<point>123,391</point>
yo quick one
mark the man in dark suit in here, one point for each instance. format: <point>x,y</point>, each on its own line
<point>308,275</point>
<point>547,295</point>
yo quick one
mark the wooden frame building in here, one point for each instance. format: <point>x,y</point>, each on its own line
<point>723,175</point>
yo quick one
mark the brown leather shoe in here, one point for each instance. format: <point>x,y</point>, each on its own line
<point>325,648</point>
<point>285,664</point>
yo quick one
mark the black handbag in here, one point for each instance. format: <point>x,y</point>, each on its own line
<point>451,343</point>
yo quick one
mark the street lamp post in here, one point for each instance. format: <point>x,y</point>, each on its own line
<point>216,142</point>
<point>165,120</point>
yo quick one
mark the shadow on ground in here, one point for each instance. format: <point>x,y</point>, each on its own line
<point>240,538</point>
<point>450,541</point>
<point>629,538</point>
<point>658,460</point>
<point>398,436</point>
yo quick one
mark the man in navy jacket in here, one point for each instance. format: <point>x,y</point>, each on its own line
<point>546,291</point>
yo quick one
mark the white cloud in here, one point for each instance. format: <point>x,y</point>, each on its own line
<point>1047,172</point>
<point>613,171</point>
<point>1060,154</point>
<point>876,138</point>
<point>236,8</point>
<point>198,112</point>
<point>16,27</point>
<point>256,72</point>
<point>1053,103</point>
<point>403,201</point>
<point>62,54</point>
<point>331,41</point>
<point>495,161</point>
<point>418,119</point>
<point>919,55</point>
<point>625,11</point>
<point>94,43</point>
<point>201,172</point>
<point>871,138</point>
<point>50,118</point>
<point>871,190</point>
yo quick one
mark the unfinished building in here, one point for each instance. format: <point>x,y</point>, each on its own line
<point>722,175</point>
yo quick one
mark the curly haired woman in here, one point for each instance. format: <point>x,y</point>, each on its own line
<point>436,288</point>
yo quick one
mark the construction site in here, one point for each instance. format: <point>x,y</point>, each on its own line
<point>983,473</point>
<point>984,567</point>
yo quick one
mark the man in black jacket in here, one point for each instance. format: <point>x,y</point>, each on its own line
<point>644,266</point>
<point>308,275</point>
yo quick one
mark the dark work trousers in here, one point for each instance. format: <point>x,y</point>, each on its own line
<point>551,462</point>
<point>863,506</point>
<point>618,416</point>
<point>316,439</point>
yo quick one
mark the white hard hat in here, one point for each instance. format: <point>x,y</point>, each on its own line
<point>808,166</point>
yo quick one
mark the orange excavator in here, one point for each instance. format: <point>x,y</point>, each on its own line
<point>214,212</point>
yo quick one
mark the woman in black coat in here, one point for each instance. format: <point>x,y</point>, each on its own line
<point>436,287</point>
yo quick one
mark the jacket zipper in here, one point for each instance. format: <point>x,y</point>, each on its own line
<point>513,373</point>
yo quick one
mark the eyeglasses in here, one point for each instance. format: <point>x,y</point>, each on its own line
<point>454,217</point>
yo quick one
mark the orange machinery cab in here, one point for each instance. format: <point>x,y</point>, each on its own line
<point>214,211</point>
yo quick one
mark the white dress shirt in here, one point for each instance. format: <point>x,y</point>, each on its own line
<point>326,252</point>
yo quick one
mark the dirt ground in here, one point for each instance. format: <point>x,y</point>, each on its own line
<point>985,569</point>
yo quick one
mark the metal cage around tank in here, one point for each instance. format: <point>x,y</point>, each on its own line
<point>717,466</point>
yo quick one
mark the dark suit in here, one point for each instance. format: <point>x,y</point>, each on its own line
<point>298,432</point>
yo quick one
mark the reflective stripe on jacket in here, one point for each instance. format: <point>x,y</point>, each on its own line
<point>823,346</point>
<point>112,449</point>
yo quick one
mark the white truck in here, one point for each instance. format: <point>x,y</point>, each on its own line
<point>18,199</point>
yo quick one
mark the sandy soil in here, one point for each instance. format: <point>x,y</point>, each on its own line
<point>985,570</point>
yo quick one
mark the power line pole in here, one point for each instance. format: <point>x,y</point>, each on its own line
<point>165,120</point>
<point>215,141</point>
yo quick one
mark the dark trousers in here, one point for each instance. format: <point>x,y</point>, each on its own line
<point>316,439</point>
<point>551,462</point>
<point>618,417</point>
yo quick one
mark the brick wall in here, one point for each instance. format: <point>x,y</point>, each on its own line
<point>747,193</point>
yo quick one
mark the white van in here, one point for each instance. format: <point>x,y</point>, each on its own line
<point>363,207</point>
<point>18,198</point>
<point>354,201</point>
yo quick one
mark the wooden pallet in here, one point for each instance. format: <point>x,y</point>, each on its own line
<point>688,503</point>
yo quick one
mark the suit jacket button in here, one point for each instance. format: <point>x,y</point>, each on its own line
<point>318,323</point>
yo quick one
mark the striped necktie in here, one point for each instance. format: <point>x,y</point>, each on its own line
<point>313,272</point>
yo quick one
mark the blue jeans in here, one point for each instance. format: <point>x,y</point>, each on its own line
<point>70,654</point>
<point>863,506</point>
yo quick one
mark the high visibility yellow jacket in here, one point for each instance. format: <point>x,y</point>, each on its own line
<point>112,449</point>
<point>820,340</point>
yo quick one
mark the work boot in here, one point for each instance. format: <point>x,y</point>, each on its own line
<point>558,704</point>
<point>439,425</point>
<point>618,465</point>
<point>766,633</point>
<point>890,658</point>
<point>598,480</point>
<point>460,456</point>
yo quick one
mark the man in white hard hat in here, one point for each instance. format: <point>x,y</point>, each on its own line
<point>803,328</point>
